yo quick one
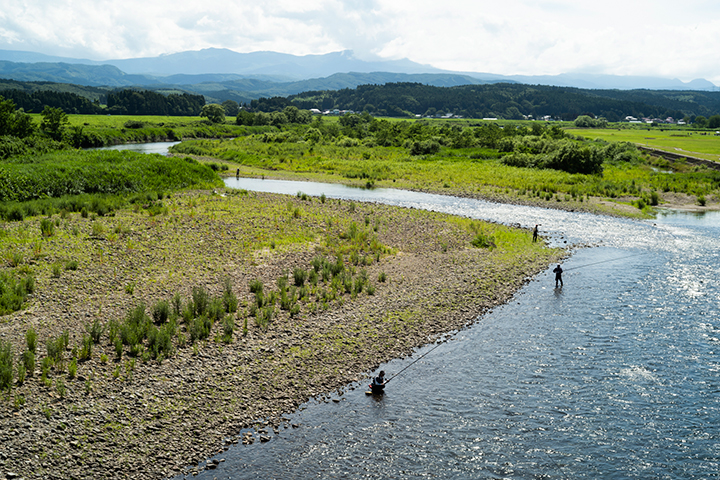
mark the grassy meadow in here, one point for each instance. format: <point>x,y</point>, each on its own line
<point>698,144</point>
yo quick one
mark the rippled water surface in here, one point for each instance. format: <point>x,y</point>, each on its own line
<point>616,375</point>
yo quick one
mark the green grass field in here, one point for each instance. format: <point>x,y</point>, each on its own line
<point>704,145</point>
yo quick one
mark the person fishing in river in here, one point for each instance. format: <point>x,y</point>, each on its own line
<point>535,233</point>
<point>558,275</point>
<point>378,384</point>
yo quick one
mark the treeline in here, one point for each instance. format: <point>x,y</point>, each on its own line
<point>505,101</point>
<point>146,102</point>
<point>35,102</point>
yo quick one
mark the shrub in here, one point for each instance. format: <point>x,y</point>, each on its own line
<point>256,286</point>
<point>215,309</point>
<point>21,373</point>
<point>425,147</point>
<point>60,387</point>
<point>6,366</point>
<point>118,348</point>
<point>228,329</point>
<point>28,360</point>
<point>701,200</point>
<point>14,291</point>
<point>134,328</point>
<point>177,305</point>
<point>86,348</point>
<point>31,339</point>
<point>95,330</point>
<point>47,227</point>
<point>72,368</point>
<point>71,265</point>
<point>483,241</point>
<point>229,299</point>
<point>161,312</point>
<point>199,329</point>
<point>201,301</point>
<point>299,276</point>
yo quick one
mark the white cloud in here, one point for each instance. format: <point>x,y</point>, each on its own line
<point>642,37</point>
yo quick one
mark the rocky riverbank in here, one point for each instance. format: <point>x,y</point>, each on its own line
<point>138,417</point>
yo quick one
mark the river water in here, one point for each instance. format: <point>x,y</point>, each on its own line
<point>152,147</point>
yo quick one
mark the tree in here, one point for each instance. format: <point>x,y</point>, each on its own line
<point>245,118</point>
<point>700,121</point>
<point>214,112</point>
<point>714,121</point>
<point>54,122</point>
<point>231,107</point>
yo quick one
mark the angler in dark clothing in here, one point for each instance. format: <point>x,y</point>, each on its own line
<point>558,275</point>
<point>535,233</point>
<point>378,384</point>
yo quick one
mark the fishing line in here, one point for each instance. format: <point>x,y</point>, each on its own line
<point>605,261</point>
<point>416,360</point>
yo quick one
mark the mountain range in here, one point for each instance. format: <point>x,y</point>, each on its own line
<point>222,74</point>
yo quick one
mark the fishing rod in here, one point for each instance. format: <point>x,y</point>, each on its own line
<point>415,361</point>
<point>605,261</point>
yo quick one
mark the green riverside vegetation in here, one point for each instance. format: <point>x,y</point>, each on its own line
<point>529,162</point>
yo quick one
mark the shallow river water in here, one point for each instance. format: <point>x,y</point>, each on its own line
<point>615,375</point>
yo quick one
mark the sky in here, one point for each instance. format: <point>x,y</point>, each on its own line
<point>659,38</point>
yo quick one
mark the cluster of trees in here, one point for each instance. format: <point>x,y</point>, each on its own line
<point>507,101</point>
<point>146,102</point>
<point>15,123</point>
<point>702,122</point>
<point>586,121</point>
<point>288,114</point>
<point>35,102</point>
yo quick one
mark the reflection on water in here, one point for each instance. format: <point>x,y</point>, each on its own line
<point>152,147</point>
<point>615,375</point>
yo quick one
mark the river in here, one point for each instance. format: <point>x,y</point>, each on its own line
<point>615,375</point>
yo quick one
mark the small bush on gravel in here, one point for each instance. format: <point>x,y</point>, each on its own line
<point>215,310</point>
<point>161,312</point>
<point>201,300</point>
<point>86,348</point>
<point>6,365</point>
<point>95,330</point>
<point>200,328</point>
<point>134,328</point>
<point>228,329</point>
<point>14,291</point>
<point>177,305</point>
<point>28,359</point>
<point>299,276</point>
<point>256,286</point>
<point>229,299</point>
<point>72,368</point>
<point>31,339</point>
<point>21,373</point>
<point>47,227</point>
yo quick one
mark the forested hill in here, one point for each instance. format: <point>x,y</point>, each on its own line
<point>508,101</point>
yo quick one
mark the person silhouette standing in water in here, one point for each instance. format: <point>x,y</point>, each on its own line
<point>558,275</point>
